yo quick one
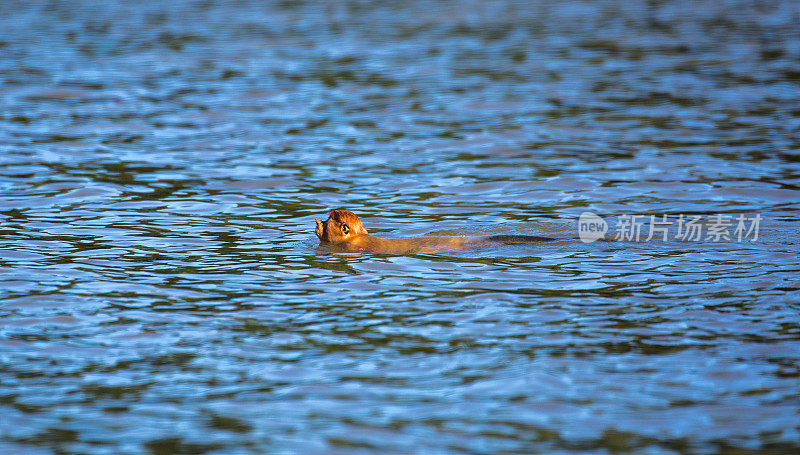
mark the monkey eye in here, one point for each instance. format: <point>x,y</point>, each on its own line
<point>345,228</point>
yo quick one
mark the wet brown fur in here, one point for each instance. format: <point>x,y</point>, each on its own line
<point>344,232</point>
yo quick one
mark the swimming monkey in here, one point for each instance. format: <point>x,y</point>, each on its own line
<point>345,232</point>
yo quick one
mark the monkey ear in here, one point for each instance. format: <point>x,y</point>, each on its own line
<point>345,228</point>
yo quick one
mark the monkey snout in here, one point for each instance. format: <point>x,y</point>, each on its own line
<point>318,229</point>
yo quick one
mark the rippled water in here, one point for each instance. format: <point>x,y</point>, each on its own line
<point>162,165</point>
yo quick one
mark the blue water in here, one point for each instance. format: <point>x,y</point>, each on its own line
<point>162,290</point>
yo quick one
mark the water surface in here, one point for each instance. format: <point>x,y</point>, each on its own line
<point>161,166</point>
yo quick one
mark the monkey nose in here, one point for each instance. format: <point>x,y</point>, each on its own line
<point>318,229</point>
